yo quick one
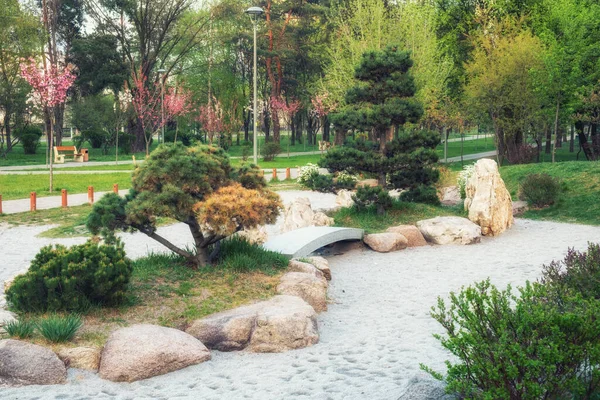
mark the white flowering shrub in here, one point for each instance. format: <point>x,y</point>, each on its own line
<point>345,180</point>
<point>463,178</point>
<point>307,173</point>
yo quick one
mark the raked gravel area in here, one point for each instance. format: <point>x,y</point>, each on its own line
<point>373,337</point>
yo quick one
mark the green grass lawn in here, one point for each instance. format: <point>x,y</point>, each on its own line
<point>468,147</point>
<point>401,214</point>
<point>18,157</point>
<point>19,186</point>
<point>579,201</point>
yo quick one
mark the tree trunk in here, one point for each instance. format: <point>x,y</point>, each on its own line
<point>595,139</point>
<point>267,126</point>
<point>59,114</point>
<point>299,127</point>
<point>326,127</point>
<point>548,139</point>
<point>340,136</point>
<point>7,130</point>
<point>276,125</point>
<point>572,141</point>
<point>293,131</point>
<point>246,126</point>
<point>135,127</point>
<point>583,142</point>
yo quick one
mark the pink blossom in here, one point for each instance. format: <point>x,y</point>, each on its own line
<point>211,118</point>
<point>322,105</point>
<point>49,85</point>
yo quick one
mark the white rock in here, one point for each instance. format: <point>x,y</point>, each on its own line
<point>298,214</point>
<point>321,264</point>
<point>257,235</point>
<point>411,233</point>
<point>304,267</point>
<point>321,219</point>
<point>488,201</point>
<point>450,196</point>
<point>450,230</point>
<point>344,198</point>
<point>386,241</point>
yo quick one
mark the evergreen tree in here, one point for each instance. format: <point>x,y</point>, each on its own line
<point>383,102</point>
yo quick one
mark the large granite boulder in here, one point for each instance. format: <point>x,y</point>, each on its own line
<point>23,363</point>
<point>143,351</point>
<point>386,241</point>
<point>308,287</point>
<point>304,267</point>
<point>344,198</point>
<point>298,214</point>
<point>411,233</point>
<point>322,265</point>
<point>80,357</point>
<point>488,201</point>
<point>450,230</point>
<point>276,325</point>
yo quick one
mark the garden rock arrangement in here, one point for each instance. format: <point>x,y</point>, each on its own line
<point>23,363</point>
<point>142,351</point>
<point>386,242</point>
<point>412,234</point>
<point>488,201</point>
<point>299,214</point>
<point>450,230</point>
<point>321,264</point>
<point>304,267</point>
<point>308,287</point>
<point>276,325</point>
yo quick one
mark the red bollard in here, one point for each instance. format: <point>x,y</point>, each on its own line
<point>32,201</point>
<point>116,188</point>
<point>91,195</point>
<point>274,173</point>
<point>288,173</point>
<point>64,198</point>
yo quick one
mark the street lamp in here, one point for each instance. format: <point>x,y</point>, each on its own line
<point>162,102</point>
<point>254,13</point>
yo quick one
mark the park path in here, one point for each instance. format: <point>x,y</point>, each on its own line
<point>15,168</point>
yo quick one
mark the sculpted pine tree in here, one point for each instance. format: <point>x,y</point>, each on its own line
<point>383,102</point>
<point>196,186</point>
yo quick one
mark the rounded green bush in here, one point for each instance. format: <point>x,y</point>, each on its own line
<point>270,150</point>
<point>75,278</point>
<point>539,190</point>
<point>29,136</point>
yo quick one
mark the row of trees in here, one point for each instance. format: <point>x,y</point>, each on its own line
<point>525,69</point>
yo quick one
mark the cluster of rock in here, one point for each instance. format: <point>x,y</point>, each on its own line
<point>285,322</point>
<point>299,214</point>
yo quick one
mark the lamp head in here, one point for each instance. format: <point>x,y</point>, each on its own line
<point>161,71</point>
<point>254,11</point>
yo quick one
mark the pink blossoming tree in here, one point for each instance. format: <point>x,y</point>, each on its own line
<point>211,118</point>
<point>50,85</point>
<point>178,103</point>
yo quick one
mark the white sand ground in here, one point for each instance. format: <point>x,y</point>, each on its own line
<point>373,337</point>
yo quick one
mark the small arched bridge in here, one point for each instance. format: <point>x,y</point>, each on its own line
<point>301,242</point>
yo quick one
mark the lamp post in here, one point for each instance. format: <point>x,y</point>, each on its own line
<point>254,12</point>
<point>162,102</point>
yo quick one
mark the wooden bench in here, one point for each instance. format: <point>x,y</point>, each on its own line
<point>61,151</point>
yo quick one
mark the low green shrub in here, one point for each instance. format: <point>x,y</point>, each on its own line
<point>59,329</point>
<point>520,347</point>
<point>539,190</point>
<point>238,255</point>
<point>421,194</point>
<point>322,183</point>
<point>578,272</point>
<point>270,150</point>
<point>21,329</point>
<point>29,136</point>
<point>75,278</point>
<point>376,196</point>
<point>345,180</point>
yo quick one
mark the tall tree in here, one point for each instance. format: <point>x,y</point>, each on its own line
<point>20,37</point>
<point>152,35</point>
